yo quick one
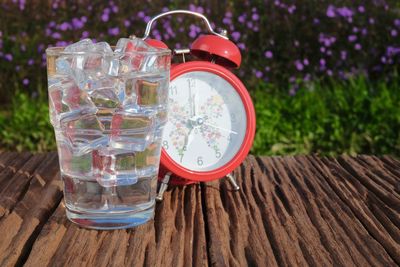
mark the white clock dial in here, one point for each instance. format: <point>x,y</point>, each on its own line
<point>206,121</point>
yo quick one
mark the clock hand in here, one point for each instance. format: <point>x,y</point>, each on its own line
<point>219,128</point>
<point>187,139</point>
<point>194,104</point>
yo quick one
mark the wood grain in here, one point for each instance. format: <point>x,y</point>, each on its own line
<point>175,238</point>
<point>290,211</point>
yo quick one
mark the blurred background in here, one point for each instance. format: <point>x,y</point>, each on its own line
<point>323,74</point>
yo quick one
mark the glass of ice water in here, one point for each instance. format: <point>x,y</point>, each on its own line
<point>108,109</point>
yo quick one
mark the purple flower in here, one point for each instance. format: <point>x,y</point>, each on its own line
<point>228,14</point>
<point>255,17</point>
<point>329,72</point>
<point>391,50</point>
<point>85,34</point>
<point>192,34</point>
<point>343,55</point>
<point>25,81</point>
<point>56,35</point>
<point>104,17</point>
<point>113,31</point>
<point>357,47</point>
<point>235,36</point>
<point>249,24</point>
<point>383,60</point>
<point>146,19</point>
<point>114,9</point>
<point>18,68</point>
<point>352,38</point>
<point>8,57</point>
<point>61,43</point>
<point>259,74</point>
<point>330,12</point>
<point>306,62</point>
<point>31,62</point>
<point>316,21</point>
<point>268,54</point>
<point>83,19</point>
<point>293,90</point>
<point>361,9</point>
<point>397,22</point>
<point>371,21</point>
<point>48,32</point>
<point>364,31</point>
<point>267,68</point>
<point>64,26</point>
<point>77,23</point>
<point>322,62</point>
<point>291,9</point>
<point>242,18</point>
<point>299,65</point>
<point>393,33</point>
<point>141,14</point>
<point>345,12</point>
<point>127,23</point>
<point>241,46</point>
<point>40,47</point>
<point>355,29</point>
<point>21,4</point>
<point>322,49</point>
<point>227,21</point>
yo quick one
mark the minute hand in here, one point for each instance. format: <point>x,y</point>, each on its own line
<point>219,128</point>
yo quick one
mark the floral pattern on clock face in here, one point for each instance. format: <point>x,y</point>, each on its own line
<point>206,121</point>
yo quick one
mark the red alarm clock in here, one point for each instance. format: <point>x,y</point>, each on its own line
<point>211,118</point>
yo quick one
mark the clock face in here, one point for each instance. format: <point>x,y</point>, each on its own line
<point>206,121</point>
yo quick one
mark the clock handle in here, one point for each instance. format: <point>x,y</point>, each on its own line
<point>187,12</point>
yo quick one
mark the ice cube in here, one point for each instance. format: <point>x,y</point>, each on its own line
<point>77,99</point>
<point>68,101</point>
<point>103,47</point>
<point>125,45</point>
<point>147,161</point>
<point>147,92</point>
<point>131,54</point>
<point>152,92</point>
<point>83,45</point>
<point>85,133</point>
<point>63,65</point>
<point>128,92</point>
<point>115,167</point>
<point>72,164</point>
<point>133,131</point>
<point>105,98</point>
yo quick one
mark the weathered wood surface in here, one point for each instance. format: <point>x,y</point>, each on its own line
<point>290,211</point>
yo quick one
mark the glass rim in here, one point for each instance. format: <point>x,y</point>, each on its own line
<point>59,51</point>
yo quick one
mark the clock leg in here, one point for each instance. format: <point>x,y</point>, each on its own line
<point>163,187</point>
<point>233,182</point>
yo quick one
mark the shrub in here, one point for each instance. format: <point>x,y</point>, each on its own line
<point>281,41</point>
<point>336,118</point>
<point>26,125</point>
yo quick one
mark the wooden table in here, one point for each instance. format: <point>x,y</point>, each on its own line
<point>290,211</point>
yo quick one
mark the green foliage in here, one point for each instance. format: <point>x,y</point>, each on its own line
<point>340,118</point>
<point>26,126</point>
<point>337,118</point>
